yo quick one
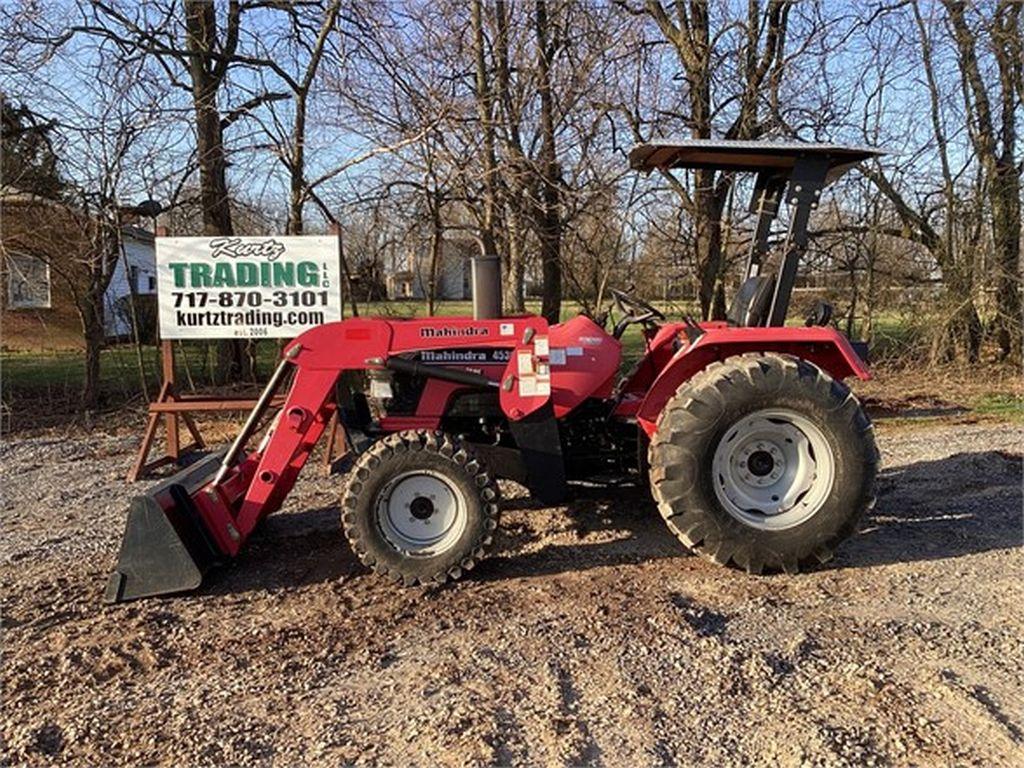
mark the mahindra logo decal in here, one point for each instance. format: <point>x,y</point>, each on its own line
<point>447,331</point>
<point>236,248</point>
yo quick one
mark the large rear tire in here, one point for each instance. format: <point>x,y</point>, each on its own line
<point>420,508</point>
<point>763,461</point>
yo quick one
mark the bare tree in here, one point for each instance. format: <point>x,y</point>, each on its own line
<point>485,109</point>
<point>102,131</point>
<point>195,50</point>
<point>549,222</point>
<point>514,176</point>
<point>993,135</point>
<point>751,91</point>
<point>289,57</point>
<point>972,181</point>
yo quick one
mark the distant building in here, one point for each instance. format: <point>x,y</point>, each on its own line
<point>42,266</point>
<point>453,273</point>
<point>136,272</point>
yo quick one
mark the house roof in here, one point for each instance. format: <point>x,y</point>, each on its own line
<point>137,233</point>
<point>13,196</point>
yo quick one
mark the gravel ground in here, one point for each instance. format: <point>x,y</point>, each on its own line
<point>591,638</point>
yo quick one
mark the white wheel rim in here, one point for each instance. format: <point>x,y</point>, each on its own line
<point>773,469</point>
<point>421,514</point>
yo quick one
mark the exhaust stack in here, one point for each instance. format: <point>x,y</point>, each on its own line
<point>486,279</point>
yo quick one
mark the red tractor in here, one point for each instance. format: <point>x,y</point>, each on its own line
<point>756,452</point>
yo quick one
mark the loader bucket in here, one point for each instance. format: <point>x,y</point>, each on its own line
<point>166,547</point>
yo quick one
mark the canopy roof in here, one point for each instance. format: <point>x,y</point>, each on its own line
<point>743,155</point>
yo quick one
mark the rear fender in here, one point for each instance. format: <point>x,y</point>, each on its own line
<point>825,347</point>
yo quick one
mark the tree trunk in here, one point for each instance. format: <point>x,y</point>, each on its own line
<point>1005,185</point>
<point>515,295</point>
<point>960,337</point>
<point>549,231</point>
<point>297,165</point>
<point>485,113</point>
<point>708,241</point>
<point>1006,228</point>
<point>213,191</point>
<point>207,73</point>
<point>516,169</point>
<point>995,146</point>
<point>91,314</point>
<point>868,329</point>
<point>688,31</point>
<point>851,312</point>
<point>436,247</point>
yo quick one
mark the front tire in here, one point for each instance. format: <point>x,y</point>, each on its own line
<point>763,461</point>
<point>420,508</point>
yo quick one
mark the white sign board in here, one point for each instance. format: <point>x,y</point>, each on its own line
<point>246,287</point>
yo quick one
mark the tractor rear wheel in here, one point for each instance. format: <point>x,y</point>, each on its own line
<point>764,461</point>
<point>419,508</point>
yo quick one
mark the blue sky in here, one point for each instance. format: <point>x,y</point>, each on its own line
<point>68,88</point>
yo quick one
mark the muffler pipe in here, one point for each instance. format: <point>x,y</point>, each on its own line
<point>256,414</point>
<point>485,275</point>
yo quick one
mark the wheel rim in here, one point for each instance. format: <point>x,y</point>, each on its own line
<point>773,469</point>
<point>421,514</point>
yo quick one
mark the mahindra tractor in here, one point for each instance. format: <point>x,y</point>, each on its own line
<point>756,452</point>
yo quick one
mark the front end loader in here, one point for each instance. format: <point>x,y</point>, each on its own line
<point>757,454</point>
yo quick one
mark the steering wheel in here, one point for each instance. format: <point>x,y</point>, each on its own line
<point>634,310</point>
<point>628,304</point>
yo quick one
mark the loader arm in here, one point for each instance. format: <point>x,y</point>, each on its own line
<point>232,510</point>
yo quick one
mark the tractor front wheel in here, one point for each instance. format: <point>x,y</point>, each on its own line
<point>419,508</point>
<point>764,461</point>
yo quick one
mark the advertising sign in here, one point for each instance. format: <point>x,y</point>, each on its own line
<point>246,287</point>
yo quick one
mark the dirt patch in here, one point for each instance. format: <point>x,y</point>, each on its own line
<point>591,638</point>
<point>912,406</point>
<point>948,393</point>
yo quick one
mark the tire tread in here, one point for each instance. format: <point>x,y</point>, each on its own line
<point>463,460</point>
<point>693,410</point>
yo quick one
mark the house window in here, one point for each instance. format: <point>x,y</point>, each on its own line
<point>28,282</point>
<point>133,278</point>
<point>151,283</point>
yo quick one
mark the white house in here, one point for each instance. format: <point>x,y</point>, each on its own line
<point>453,273</point>
<point>134,272</point>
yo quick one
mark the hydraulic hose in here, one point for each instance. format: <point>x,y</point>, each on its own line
<point>256,414</point>
<point>455,375</point>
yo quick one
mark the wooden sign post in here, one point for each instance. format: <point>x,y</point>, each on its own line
<point>165,404</point>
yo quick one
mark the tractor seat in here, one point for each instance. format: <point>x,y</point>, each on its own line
<point>752,302</point>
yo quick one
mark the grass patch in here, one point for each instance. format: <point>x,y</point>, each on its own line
<point>1003,406</point>
<point>59,376</point>
<point>65,371</point>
